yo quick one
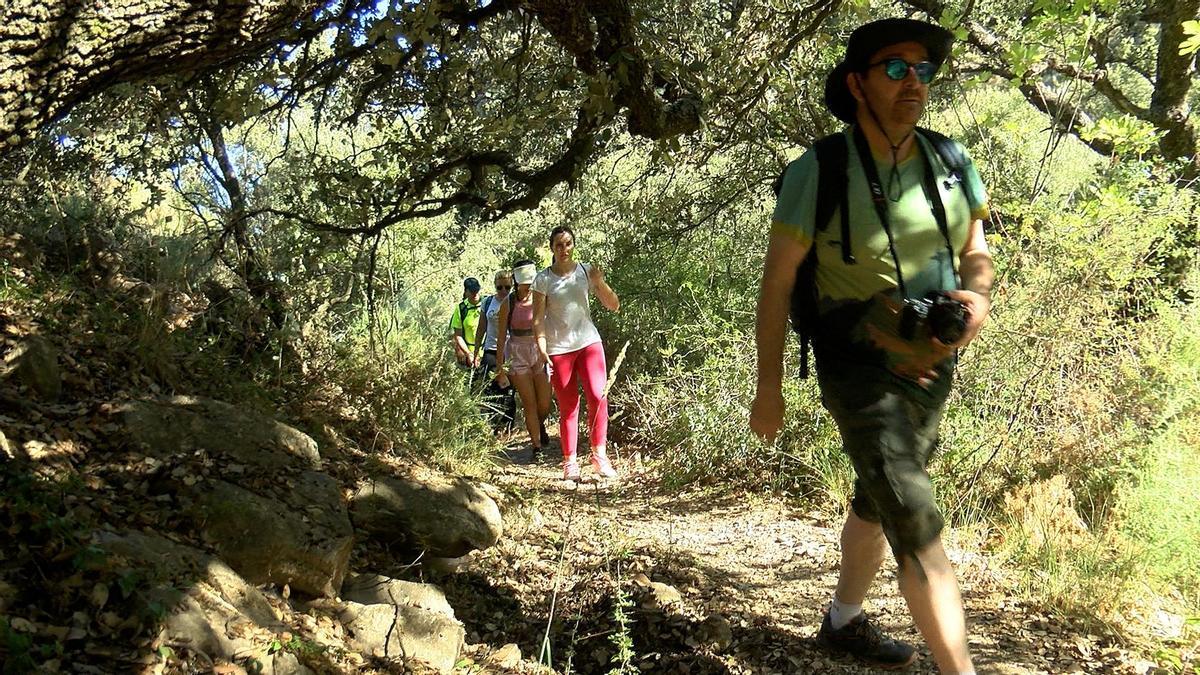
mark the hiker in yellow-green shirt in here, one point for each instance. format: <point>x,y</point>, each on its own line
<point>463,323</point>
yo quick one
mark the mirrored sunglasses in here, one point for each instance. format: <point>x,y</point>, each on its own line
<point>897,69</point>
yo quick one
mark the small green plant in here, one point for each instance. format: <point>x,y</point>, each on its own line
<point>18,647</point>
<point>622,637</point>
<point>301,647</point>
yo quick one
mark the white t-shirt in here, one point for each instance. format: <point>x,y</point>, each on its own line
<point>568,321</point>
<point>493,322</point>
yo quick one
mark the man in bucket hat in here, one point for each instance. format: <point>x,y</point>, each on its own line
<point>910,287</point>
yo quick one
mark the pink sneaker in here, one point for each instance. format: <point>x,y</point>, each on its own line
<point>602,466</point>
<point>570,469</point>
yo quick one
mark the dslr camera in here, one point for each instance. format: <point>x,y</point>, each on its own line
<point>945,317</point>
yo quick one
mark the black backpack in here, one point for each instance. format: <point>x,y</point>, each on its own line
<point>832,152</point>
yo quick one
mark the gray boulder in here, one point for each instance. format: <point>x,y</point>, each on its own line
<point>171,426</point>
<point>35,361</point>
<point>405,633</point>
<point>206,599</point>
<point>447,517</point>
<point>302,539</point>
<point>371,589</point>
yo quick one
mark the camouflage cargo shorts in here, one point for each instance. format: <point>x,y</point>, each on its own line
<point>889,429</point>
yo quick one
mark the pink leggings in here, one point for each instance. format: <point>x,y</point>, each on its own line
<point>588,365</point>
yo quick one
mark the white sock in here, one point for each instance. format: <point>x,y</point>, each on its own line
<point>840,613</point>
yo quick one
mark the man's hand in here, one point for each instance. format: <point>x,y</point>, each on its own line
<point>977,306</point>
<point>766,414</point>
<point>921,367</point>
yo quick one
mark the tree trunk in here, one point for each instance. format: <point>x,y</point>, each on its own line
<point>56,53</point>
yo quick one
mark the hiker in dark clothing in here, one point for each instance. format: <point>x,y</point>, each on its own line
<point>499,403</point>
<point>902,283</point>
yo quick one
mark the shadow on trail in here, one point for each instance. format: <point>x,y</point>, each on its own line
<point>759,614</point>
<point>681,639</point>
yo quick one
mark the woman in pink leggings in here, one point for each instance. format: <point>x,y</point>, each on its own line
<point>569,341</point>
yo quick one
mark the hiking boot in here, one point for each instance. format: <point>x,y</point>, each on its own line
<point>570,469</point>
<point>602,466</point>
<point>863,640</point>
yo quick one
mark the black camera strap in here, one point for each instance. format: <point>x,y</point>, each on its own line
<point>880,201</point>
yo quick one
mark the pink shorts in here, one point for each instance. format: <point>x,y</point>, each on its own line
<point>522,356</point>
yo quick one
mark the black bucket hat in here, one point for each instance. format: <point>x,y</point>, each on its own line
<point>868,39</point>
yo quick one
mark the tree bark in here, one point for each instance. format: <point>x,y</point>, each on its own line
<point>56,53</point>
<point>1173,81</point>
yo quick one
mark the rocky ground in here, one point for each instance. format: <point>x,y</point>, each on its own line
<point>626,574</point>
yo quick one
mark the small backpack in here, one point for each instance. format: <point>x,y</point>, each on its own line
<point>832,153</point>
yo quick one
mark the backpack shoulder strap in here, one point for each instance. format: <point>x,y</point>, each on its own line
<point>832,181</point>
<point>831,176</point>
<point>948,151</point>
<point>953,158</point>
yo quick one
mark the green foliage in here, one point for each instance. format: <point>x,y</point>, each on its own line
<point>1127,134</point>
<point>1192,44</point>
<point>19,649</point>
<point>416,400</point>
<point>1093,579</point>
<point>1021,58</point>
<point>1160,509</point>
<point>695,414</point>
<point>35,511</point>
<point>621,638</point>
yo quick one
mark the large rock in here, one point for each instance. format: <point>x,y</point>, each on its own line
<point>302,539</point>
<point>406,633</point>
<point>207,600</point>
<point>35,362</point>
<point>447,517</point>
<point>270,517</point>
<point>176,425</point>
<point>371,589</point>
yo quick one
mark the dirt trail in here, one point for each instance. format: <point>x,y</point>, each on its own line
<point>755,570</point>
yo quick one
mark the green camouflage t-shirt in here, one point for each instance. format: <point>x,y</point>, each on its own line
<point>859,304</point>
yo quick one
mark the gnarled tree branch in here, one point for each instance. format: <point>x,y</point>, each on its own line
<point>54,54</point>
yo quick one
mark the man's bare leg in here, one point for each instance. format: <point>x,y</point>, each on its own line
<point>863,548</point>
<point>936,607</point>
